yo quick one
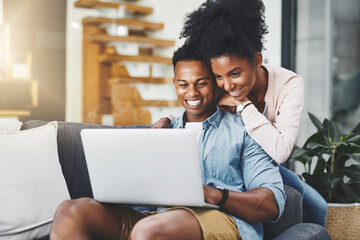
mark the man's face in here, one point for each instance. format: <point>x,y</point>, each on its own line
<point>195,89</point>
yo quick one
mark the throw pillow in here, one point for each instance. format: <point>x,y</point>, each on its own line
<point>31,182</point>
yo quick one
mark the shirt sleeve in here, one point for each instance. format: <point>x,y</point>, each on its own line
<point>278,138</point>
<point>259,170</point>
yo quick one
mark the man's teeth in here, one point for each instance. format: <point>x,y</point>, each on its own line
<point>233,93</point>
<point>193,103</point>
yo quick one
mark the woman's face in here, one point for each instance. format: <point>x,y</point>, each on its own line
<point>235,75</point>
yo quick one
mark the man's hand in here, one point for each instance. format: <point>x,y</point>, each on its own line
<point>162,123</point>
<point>212,195</point>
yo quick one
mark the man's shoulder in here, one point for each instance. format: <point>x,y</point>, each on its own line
<point>232,119</point>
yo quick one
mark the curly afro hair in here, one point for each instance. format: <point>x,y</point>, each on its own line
<point>227,27</point>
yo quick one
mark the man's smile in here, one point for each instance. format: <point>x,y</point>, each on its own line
<point>193,102</point>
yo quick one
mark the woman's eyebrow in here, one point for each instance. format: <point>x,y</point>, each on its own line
<point>231,71</point>
<point>234,69</point>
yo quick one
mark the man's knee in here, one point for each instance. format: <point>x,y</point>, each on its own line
<point>146,230</point>
<point>73,208</point>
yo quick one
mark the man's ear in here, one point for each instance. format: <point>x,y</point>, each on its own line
<point>258,59</point>
<point>174,81</point>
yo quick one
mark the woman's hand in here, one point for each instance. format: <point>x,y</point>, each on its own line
<point>212,195</point>
<point>162,123</point>
<point>228,103</point>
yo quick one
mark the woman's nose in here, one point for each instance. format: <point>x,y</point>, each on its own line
<point>228,85</point>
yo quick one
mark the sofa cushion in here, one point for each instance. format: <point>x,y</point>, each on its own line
<point>305,231</point>
<point>292,214</point>
<point>31,182</point>
<point>71,154</point>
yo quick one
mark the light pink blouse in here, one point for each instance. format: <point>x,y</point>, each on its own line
<point>277,131</point>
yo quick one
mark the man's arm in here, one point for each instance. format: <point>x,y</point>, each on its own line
<point>264,197</point>
<point>255,205</point>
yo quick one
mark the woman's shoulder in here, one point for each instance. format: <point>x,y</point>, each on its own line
<point>280,78</point>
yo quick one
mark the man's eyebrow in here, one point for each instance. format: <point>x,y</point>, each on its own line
<point>180,80</point>
<point>203,78</point>
<point>199,79</point>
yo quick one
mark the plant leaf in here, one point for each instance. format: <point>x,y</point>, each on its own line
<point>318,182</point>
<point>335,182</point>
<point>356,130</point>
<point>353,139</point>
<point>326,130</point>
<point>316,138</point>
<point>355,156</point>
<point>340,162</point>
<point>316,146</point>
<point>352,172</point>
<point>350,148</point>
<point>355,186</point>
<point>334,132</point>
<point>297,152</point>
<point>352,196</point>
<point>355,145</point>
<point>320,165</point>
<point>315,121</point>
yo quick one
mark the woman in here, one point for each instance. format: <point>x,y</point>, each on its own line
<point>229,34</point>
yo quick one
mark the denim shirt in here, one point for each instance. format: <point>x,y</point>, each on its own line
<point>232,159</point>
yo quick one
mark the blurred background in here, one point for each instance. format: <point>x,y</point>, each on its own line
<point>109,62</point>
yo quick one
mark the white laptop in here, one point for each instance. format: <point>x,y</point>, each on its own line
<point>144,166</point>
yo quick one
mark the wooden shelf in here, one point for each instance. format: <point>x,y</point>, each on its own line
<point>130,8</point>
<point>16,80</point>
<point>123,79</point>
<point>132,23</point>
<point>122,58</point>
<point>14,113</point>
<point>105,38</point>
<point>149,103</point>
<point>106,79</point>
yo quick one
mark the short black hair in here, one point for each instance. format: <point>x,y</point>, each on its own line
<point>227,27</point>
<point>185,53</point>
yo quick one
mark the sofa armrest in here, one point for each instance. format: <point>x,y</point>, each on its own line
<point>292,214</point>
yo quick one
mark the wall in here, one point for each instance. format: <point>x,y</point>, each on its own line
<point>1,12</point>
<point>38,27</point>
<point>165,12</point>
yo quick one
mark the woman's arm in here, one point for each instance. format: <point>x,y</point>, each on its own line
<point>277,138</point>
<point>163,122</point>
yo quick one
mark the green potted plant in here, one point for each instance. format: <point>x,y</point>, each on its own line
<point>332,166</point>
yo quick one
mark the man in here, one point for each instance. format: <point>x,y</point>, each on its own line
<point>250,192</point>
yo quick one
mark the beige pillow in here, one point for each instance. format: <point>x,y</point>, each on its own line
<point>31,182</point>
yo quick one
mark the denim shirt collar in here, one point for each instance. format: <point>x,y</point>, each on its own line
<point>214,120</point>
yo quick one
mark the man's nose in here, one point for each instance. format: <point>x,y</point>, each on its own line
<point>193,91</point>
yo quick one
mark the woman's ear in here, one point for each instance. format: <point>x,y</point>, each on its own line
<point>258,60</point>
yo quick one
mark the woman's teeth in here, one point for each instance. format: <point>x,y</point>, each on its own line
<point>233,93</point>
<point>193,103</point>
